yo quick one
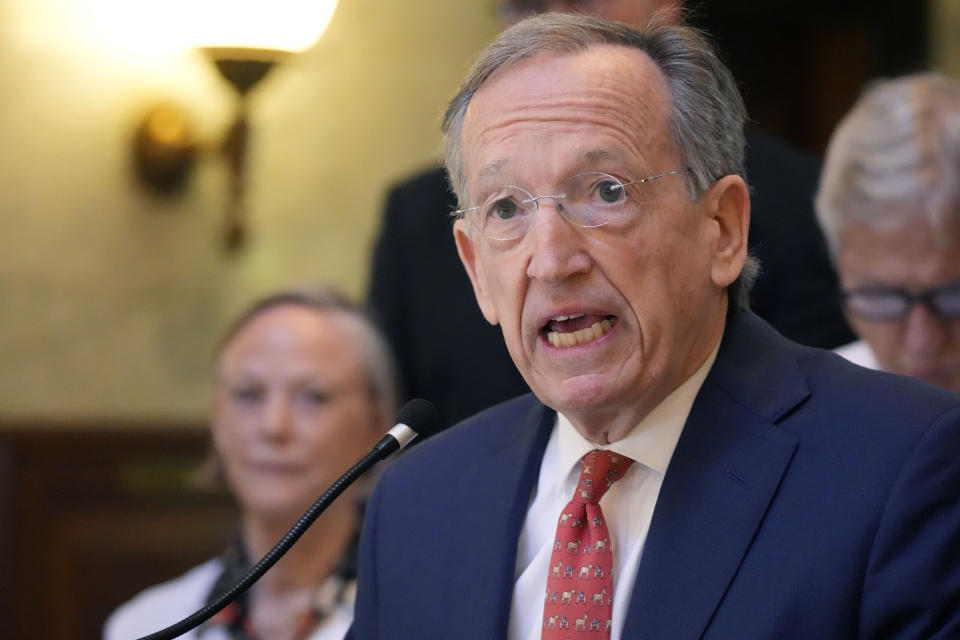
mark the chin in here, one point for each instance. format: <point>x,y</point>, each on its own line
<point>278,499</point>
<point>284,513</point>
<point>580,394</point>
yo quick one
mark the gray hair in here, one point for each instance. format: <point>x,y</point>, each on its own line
<point>375,354</point>
<point>895,157</point>
<point>707,119</point>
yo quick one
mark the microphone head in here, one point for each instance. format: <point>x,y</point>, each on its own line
<point>421,416</point>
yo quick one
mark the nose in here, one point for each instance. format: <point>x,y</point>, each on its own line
<point>276,420</point>
<point>557,246</point>
<point>924,333</point>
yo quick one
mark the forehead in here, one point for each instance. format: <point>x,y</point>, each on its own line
<point>558,109</point>
<point>293,334</point>
<point>912,254</point>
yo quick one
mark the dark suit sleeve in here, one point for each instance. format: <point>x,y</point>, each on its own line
<point>912,583</point>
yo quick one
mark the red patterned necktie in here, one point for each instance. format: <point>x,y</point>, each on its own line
<point>579,598</point>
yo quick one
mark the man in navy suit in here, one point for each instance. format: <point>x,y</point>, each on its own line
<point>777,491</point>
<point>415,260</point>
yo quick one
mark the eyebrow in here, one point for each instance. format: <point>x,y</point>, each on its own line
<point>589,157</point>
<point>487,173</point>
<point>492,168</point>
<point>596,154</point>
<point>586,156</point>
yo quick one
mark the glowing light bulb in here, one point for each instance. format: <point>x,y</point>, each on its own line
<point>145,29</point>
<point>282,25</point>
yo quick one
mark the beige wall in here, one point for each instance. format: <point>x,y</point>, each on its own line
<point>110,299</point>
<point>945,36</point>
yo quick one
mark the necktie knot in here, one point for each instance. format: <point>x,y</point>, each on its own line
<point>600,470</point>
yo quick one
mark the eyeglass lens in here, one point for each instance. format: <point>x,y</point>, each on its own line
<point>586,200</point>
<point>894,304</point>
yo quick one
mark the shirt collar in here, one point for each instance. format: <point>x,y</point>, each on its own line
<point>650,443</point>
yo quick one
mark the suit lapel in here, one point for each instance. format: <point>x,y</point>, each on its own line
<point>499,483</point>
<point>724,473</point>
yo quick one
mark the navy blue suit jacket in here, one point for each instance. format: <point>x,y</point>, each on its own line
<point>807,498</point>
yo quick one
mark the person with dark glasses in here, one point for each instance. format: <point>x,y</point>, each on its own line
<point>889,205</point>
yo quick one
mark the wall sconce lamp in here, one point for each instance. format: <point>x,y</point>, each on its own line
<point>244,40</point>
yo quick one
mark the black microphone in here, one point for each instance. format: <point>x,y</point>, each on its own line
<point>417,418</point>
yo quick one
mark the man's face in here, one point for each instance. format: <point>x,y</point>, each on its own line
<point>631,12</point>
<point>292,410</point>
<point>653,286</point>
<point>916,258</point>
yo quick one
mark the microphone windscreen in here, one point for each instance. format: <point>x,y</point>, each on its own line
<point>421,416</point>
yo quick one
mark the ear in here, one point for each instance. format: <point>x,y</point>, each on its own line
<point>467,249</point>
<point>728,207</point>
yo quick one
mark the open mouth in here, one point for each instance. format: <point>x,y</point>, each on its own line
<point>577,329</point>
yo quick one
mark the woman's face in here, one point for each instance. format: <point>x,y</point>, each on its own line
<point>292,409</point>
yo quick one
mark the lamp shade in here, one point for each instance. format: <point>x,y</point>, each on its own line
<point>278,25</point>
<point>147,31</point>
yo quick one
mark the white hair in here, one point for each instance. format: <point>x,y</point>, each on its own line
<point>376,357</point>
<point>895,157</point>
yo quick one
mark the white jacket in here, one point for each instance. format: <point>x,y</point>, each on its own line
<point>164,604</point>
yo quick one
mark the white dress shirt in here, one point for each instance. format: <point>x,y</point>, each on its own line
<point>860,353</point>
<point>627,506</point>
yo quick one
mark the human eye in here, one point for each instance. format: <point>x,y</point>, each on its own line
<point>947,300</point>
<point>596,190</point>
<point>503,208</point>
<point>506,213</point>
<point>608,189</point>
<point>507,207</point>
<point>877,303</point>
<point>246,394</point>
<point>317,397</point>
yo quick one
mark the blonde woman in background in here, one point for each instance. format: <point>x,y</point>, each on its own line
<point>304,388</point>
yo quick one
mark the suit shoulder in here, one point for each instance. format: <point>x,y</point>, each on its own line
<point>876,401</point>
<point>453,447</point>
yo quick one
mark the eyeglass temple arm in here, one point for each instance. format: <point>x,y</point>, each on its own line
<point>659,175</point>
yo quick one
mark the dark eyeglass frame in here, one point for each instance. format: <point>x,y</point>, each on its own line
<point>935,299</point>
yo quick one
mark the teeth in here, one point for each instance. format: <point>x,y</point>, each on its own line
<point>574,338</point>
<point>598,330</point>
<point>562,318</point>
